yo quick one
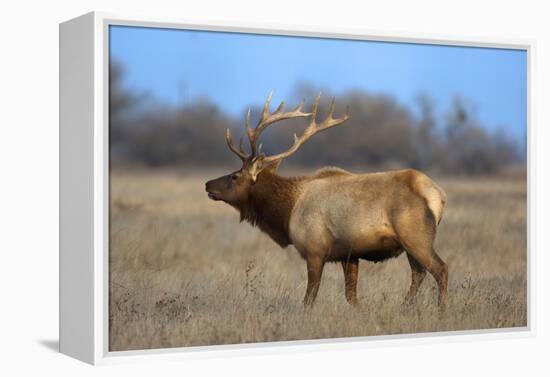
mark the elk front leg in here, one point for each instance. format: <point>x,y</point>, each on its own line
<point>350,275</point>
<point>314,271</point>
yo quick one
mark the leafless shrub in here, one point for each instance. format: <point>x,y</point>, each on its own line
<point>381,133</point>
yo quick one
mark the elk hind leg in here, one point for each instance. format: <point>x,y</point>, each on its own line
<point>418,273</point>
<point>417,237</point>
<point>435,266</point>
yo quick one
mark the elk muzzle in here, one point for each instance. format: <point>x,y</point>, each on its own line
<point>213,189</point>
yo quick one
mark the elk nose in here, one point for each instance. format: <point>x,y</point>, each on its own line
<point>207,184</point>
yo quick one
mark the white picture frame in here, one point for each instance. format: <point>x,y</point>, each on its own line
<point>84,187</point>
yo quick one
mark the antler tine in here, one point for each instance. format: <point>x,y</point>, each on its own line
<point>260,149</point>
<point>241,147</point>
<point>266,105</point>
<point>265,112</point>
<point>330,121</point>
<point>332,108</point>
<point>281,107</point>
<point>299,107</point>
<point>253,134</point>
<point>314,108</point>
<point>229,139</point>
<point>249,130</point>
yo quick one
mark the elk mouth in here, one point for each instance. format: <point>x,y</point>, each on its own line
<point>213,196</point>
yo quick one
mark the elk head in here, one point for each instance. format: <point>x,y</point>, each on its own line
<point>234,188</point>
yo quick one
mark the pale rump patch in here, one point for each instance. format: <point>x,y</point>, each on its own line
<point>433,194</point>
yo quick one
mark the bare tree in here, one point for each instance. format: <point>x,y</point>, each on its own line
<point>381,133</point>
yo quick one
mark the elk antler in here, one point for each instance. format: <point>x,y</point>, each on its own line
<point>268,118</point>
<point>311,129</point>
<point>239,152</point>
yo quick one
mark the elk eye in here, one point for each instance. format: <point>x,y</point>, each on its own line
<point>234,177</point>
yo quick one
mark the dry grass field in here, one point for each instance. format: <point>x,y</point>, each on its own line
<point>185,272</point>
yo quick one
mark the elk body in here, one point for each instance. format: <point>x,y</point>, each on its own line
<point>334,215</point>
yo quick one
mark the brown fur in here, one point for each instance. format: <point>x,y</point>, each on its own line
<point>411,223</point>
<point>270,204</point>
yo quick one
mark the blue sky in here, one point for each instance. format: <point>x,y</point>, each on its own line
<point>239,70</point>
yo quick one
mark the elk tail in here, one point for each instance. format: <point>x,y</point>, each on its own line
<point>433,194</point>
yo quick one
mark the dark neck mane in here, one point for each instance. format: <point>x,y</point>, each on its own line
<point>270,204</point>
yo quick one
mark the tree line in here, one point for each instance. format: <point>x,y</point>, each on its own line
<point>381,133</point>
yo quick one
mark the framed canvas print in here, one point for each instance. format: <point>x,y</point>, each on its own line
<point>240,188</point>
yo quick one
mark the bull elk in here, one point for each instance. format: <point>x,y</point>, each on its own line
<point>334,215</point>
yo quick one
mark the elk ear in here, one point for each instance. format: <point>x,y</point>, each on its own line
<point>254,170</point>
<point>258,166</point>
<point>272,168</point>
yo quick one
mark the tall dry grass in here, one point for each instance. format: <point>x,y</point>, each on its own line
<point>185,272</point>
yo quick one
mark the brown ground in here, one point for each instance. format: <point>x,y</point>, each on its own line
<point>184,272</point>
